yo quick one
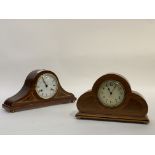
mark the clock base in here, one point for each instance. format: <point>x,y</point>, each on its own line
<point>143,120</point>
<point>30,105</point>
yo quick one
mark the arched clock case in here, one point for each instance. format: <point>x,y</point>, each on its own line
<point>41,88</point>
<point>131,108</point>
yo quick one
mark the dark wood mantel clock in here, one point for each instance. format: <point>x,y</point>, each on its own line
<point>41,88</point>
<point>112,99</point>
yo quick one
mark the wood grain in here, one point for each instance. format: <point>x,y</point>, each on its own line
<point>133,108</point>
<point>27,98</point>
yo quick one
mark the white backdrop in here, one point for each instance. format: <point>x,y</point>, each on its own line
<point>79,52</point>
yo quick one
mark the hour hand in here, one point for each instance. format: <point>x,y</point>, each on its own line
<point>109,90</point>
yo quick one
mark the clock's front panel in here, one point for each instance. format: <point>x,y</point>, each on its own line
<point>46,86</point>
<point>111,93</point>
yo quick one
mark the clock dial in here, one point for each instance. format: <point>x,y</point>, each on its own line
<point>111,93</point>
<point>46,86</point>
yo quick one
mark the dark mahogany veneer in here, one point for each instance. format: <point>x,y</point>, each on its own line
<point>27,97</point>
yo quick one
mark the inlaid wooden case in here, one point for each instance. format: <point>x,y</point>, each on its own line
<point>94,104</point>
<point>32,96</point>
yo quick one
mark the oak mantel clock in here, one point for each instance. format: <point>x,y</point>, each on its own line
<point>112,99</point>
<point>41,88</point>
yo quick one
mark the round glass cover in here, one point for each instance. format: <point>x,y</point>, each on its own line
<point>111,93</point>
<point>46,86</point>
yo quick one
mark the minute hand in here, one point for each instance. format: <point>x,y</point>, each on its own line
<point>113,88</point>
<point>45,82</point>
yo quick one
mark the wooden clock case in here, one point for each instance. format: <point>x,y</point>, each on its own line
<point>133,108</point>
<point>27,98</point>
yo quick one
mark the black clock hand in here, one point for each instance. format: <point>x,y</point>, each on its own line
<point>44,82</point>
<point>113,89</point>
<point>109,90</point>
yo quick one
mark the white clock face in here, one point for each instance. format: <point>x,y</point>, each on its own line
<point>111,93</point>
<point>46,86</point>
